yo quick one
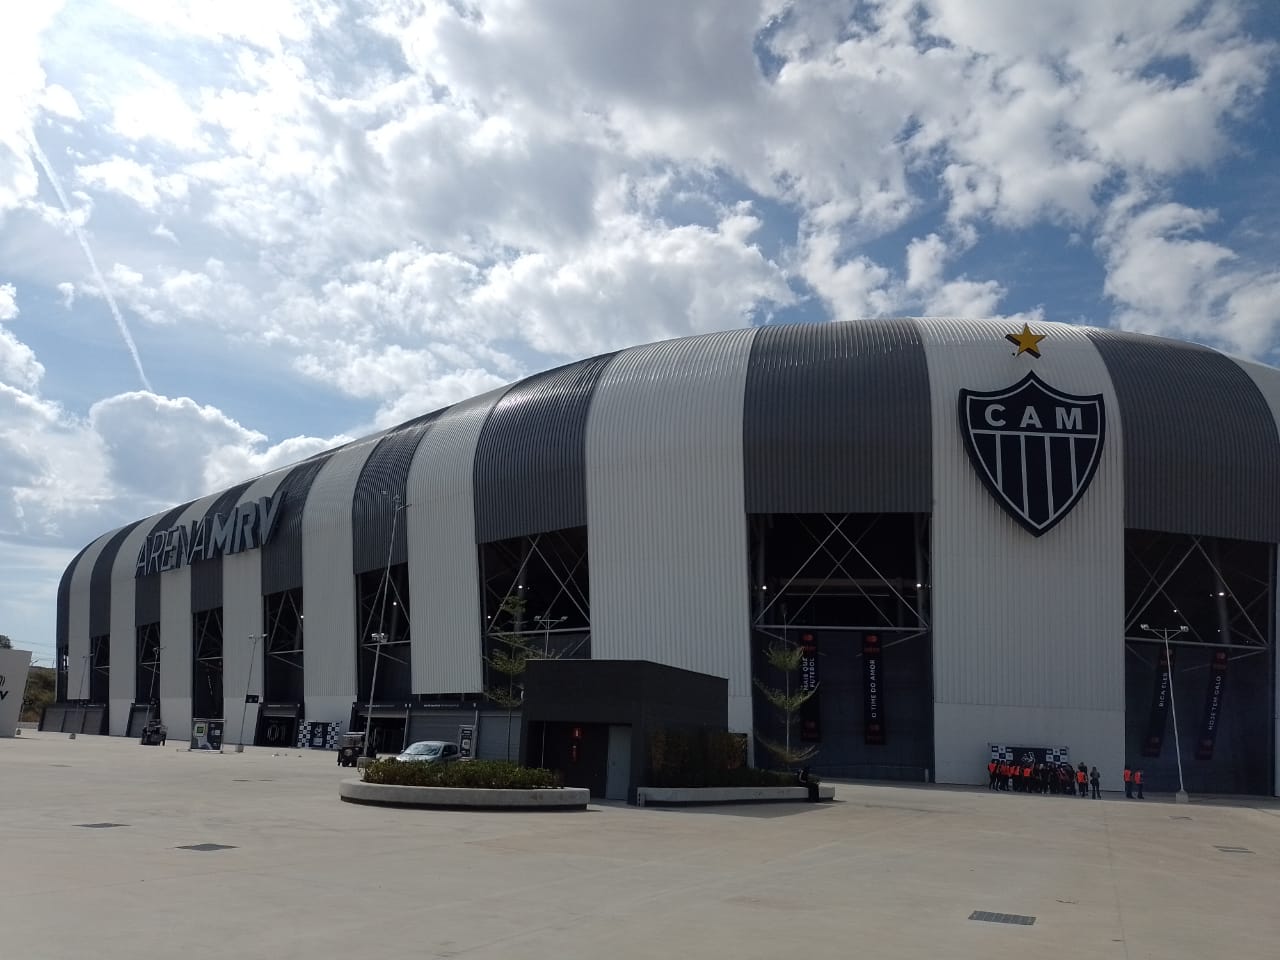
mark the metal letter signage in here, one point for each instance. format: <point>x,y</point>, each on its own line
<point>248,527</point>
<point>1035,448</point>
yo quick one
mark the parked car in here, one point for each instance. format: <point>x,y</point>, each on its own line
<point>429,751</point>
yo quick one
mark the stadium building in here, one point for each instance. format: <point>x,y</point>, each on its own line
<point>986,537</point>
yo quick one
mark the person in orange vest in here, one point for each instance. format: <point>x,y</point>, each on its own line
<point>1028,779</point>
<point>1082,780</point>
<point>1128,784</point>
<point>991,774</point>
<point>1137,779</point>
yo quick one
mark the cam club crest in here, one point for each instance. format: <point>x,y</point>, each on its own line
<point>1035,447</point>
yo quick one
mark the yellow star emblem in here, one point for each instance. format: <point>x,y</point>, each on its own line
<point>1026,341</point>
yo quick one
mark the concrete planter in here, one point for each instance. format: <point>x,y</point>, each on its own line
<point>690,795</point>
<point>469,798</point>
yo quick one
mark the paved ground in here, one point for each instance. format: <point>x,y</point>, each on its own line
<point>886,871</point>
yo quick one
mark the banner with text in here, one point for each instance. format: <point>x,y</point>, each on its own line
<point>14,665</point>
<point>1156,722</point>
<point>874,733</point>
<point>810,714</point>
<point>1212,706</point>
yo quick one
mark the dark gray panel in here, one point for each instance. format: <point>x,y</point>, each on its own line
<point>1201,452</point>
<point>206,575</point>
<point>282,556</point>
<point>100,583</point>
<point>62,628</point>
<point>530,466</point>
<point>146,597</point>
<point>836,419</point>
<point>383,476</point>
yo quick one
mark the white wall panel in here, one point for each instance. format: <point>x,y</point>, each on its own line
<point>176,660</point>
<point>1267,380</point>
<point>1028,631</point>
<point>328,586</point>
<point>78,621</point>
<point>667,528</point>
<point>242,658</point>
<point>124,632</point>
<point>444,586</point>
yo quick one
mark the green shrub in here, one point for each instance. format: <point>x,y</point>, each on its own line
<point>706,758</point>
<point>484,774</point>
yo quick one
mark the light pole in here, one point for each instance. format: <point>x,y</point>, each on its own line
<point>244,711</point>
<point>547,623</point>
<point>378,640</point>
<point>151,693</point>
<point>80,696</point>
<point>1164,633</point>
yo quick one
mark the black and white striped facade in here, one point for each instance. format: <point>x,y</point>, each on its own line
<point>665,453</point>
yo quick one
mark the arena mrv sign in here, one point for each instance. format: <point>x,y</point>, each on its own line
<point>248,527</point>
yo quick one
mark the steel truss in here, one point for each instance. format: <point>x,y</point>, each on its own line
<point>1233,599</point>
<point>99,667</point>
<point>208,660</point>
<point>537,588</point>
<point>841,560</point>
<point>384,612</point>
<point>148,663</point>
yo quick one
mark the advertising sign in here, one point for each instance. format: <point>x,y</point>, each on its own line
<point>466,741</point>
<point>874,733</point>
<point>14,665</point>
<point>1157,720</point>
<point>1212,706</point>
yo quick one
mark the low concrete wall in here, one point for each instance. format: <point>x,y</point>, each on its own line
<point>386,795</point>
<point>690,795</point>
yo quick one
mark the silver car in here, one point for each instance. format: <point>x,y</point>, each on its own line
<point>429,751</point>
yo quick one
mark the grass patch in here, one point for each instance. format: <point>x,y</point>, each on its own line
<point>477,774</point>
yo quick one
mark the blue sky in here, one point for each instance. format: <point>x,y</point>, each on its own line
<point>316,218</point>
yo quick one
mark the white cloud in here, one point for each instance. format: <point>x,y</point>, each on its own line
<point>8,301</point>
<point>68,294</point>
<point>134,180</point>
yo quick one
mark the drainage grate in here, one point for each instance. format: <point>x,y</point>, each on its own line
<point>1002,918</point>
<point>101,826</point>
<point>1233,849</point>
<point>205,847</point>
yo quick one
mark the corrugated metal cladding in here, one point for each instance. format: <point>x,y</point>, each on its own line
<point>62,628</point>
<point>1027,631</point>
<point>668,530</point>
<point>282,556</point>
<point>176,640</point>
<point>529,463</point>
<point>206,575</point>
<point>383,478</point>
<point>78,620</point>
<point>241,617</point>
<point>836,419</point>
<point>328,585</point>
<point>123,626</point>
<point>444,587</point>
<point>1268,383</point>
<point>146,597</point>
<point>100,582</point>
<point>1189,407</point>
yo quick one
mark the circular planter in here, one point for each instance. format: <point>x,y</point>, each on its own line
<point>463,798</point>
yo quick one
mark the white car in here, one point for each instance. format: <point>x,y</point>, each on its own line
<point>429,751</point>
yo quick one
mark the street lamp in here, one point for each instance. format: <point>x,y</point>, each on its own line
<point>547,623</point>
<point>1164,633</point>
<point>244,711</point>
<point>378,640</point>
<point>84,671</point>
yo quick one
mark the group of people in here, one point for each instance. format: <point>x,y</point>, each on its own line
<point>1029,775</point>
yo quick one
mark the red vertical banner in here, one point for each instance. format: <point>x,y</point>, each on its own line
<point>1212,706</point>
<point>810,715</point>
<point>873,691</point>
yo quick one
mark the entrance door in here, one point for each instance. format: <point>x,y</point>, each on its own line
<point>618,777</point>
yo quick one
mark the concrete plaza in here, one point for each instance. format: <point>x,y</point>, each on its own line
<point>892,871</point>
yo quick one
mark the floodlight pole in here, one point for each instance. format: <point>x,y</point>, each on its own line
<point>547,623</point>
<point>80,695</point>
<point>378,640</point>
<point>1164,633</point>
<point>244,710</point>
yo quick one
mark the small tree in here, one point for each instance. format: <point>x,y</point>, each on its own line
<point>786,657</point>
<point>509,655</point>
<point>5,642</point>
